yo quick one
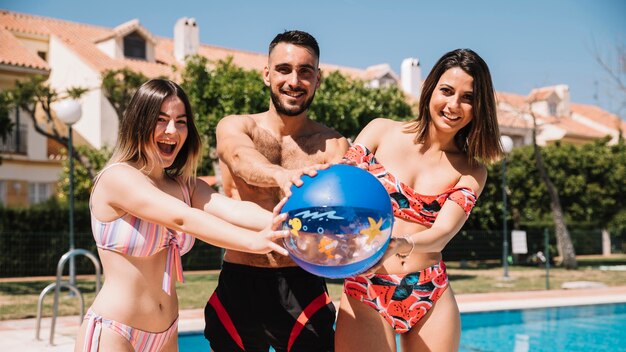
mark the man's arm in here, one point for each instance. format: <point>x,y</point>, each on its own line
<point>337,148</point>
<point>228,184</point>
<point>236,149</point>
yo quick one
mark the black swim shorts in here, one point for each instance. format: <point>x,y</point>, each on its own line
<point>253,308</point>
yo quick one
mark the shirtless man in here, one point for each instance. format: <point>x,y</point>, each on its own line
<point>264,300</point>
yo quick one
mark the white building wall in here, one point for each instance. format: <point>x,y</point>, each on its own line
<point>108,47</point>
<point>150,52</point>
<point>68,70</point>
<point>37,144</point>
<point>110,123</point>
<point>541,107</point>
<point>548,133</point>
<point>48,172</point>
<point>33,42</point>
<point>563,104</point>
<point>597,126</point>
<point>375,83</point>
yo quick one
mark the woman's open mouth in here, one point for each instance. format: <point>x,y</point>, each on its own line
<point>166,147</point>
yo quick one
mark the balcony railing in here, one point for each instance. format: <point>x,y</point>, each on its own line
<point>16,142</point>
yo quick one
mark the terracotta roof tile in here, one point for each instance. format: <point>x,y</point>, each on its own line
<point>245,59</point>
<point>511,119</point>
<point>14,53</point>
<point>82,39</point>
<point>127,28</point>
<point>573,128</point>
<point>596,114</point>
<point>378,71</point>
<point>515,100</point>
<point>542,93</point>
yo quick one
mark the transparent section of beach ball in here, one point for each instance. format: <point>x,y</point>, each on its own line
<point>332,236</point>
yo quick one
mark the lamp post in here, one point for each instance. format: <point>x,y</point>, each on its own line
<point>507,146</point>
<point>69,112</point>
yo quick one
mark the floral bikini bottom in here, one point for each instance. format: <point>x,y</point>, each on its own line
<point>402,300</point>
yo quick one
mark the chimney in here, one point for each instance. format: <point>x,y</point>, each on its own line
<point>563,107</point>
<point>186,38</point>
<point>411,77</point>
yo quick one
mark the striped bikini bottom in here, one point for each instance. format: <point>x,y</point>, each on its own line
<point>402,300</point>
<point>142,341</point>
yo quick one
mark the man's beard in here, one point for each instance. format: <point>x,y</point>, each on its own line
<point>295,111</point>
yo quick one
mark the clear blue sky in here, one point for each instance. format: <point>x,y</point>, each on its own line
<point>527,44</point>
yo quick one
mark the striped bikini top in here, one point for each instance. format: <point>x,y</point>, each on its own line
<point>406,203</point>
<point>136,237</point>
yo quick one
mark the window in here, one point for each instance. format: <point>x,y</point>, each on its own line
<point>16,142</point>
<point>552,108</point>
<point>3,193</point>
<point>38,192</point>
<point>135,46</point>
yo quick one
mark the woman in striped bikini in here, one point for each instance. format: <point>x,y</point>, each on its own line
<point>432,169</point>
<point>146,209</point>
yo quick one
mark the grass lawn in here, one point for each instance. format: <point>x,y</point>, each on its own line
<point>18,298</point>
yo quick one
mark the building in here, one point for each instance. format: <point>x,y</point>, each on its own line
<point>557,118</point>
<point>72,54</point>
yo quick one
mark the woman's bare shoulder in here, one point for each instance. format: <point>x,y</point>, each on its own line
<point>377,130</point>
<point>474,176</point>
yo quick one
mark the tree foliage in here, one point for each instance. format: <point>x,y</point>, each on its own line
<point>6,105</point>
<point>35,93</point>
<point>82,177</point>
<point>347,105</point>
<point>119,86</point>
<point>6,125</point>
<point>590,179</point>
<point>220,89</point>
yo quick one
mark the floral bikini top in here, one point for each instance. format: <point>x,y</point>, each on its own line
<point>136,237</point>
<point>408,204</point>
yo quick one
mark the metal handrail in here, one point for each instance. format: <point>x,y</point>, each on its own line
<point>57,289</point>
<point>43,294</point>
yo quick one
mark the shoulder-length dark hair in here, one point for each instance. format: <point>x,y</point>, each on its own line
<point>135,141</point>
<point>480,139</point>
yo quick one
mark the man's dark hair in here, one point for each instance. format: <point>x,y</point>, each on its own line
<point>299,38</point>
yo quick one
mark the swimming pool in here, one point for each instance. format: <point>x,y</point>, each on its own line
<point>576,328</point>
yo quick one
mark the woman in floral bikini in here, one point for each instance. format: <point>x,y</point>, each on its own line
<point>422,163</point>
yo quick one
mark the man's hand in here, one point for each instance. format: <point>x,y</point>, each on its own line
<point>285,179</point>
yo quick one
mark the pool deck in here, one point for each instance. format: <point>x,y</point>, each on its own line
<point>19,335</point>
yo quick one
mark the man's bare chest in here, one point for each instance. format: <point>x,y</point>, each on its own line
<point>291,154</point>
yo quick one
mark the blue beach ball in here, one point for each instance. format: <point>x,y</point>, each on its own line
<point>339,222</point>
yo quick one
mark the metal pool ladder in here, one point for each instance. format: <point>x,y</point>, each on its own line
<point>57,289</point>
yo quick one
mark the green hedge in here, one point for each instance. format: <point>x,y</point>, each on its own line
<point>32,240</point>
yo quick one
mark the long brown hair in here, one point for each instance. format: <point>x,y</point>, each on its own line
<point>136,130</point>
<point>480,138</point>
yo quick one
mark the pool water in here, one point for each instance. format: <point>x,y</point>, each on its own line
<point>572,329</point>
<point>579,328</point>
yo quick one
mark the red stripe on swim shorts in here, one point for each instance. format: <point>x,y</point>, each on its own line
<point>222,314</point>
<point>315,305</point>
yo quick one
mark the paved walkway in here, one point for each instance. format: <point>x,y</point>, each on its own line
<point>19,335</point>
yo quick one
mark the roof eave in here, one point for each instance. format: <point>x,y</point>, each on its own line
<point>23,69</point>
